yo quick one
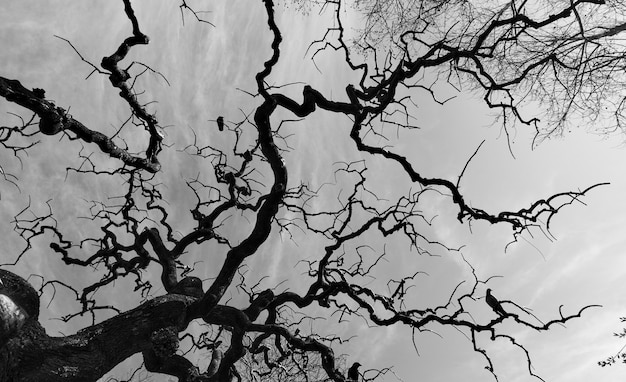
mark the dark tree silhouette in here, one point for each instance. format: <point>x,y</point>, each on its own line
<point>562,56</point>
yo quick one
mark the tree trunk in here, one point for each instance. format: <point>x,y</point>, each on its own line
<point>32,355</point>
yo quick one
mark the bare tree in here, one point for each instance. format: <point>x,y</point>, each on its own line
<point>620,355</point>
<point>186,323</point>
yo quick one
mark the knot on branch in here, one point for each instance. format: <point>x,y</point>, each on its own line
<point>50,126</point>
<point>52,122</point>
<point>165,342</point>
<point>39,93</point>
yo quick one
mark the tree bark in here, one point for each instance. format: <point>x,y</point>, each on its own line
<point>32,355</point>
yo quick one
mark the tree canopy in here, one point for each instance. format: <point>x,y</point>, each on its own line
<point>207,209</point>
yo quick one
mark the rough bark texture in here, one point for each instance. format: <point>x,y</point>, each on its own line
<point>32,355</point>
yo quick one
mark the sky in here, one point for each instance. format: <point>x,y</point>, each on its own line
<point>205,66</point>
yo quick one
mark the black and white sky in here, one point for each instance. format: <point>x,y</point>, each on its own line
<point>207,65</point>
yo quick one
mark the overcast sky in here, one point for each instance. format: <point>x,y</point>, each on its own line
<point>205,65</point>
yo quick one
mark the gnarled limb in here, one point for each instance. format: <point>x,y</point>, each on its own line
<point>58,120</point>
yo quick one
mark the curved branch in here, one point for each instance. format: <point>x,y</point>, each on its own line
<point>14,91</point>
